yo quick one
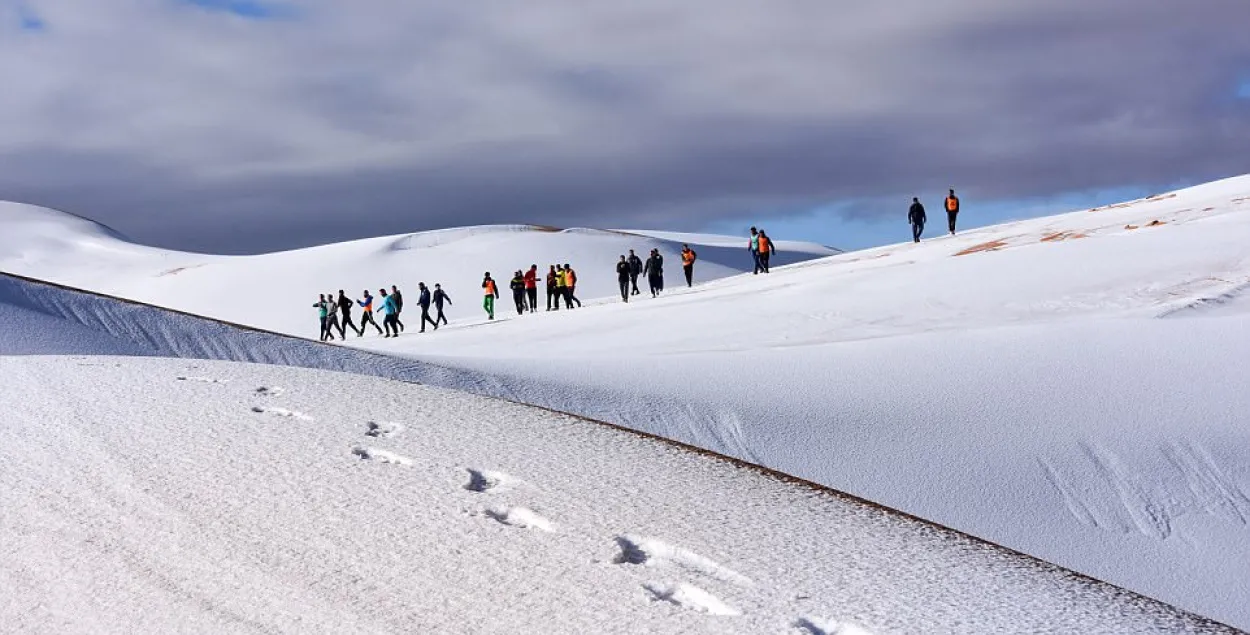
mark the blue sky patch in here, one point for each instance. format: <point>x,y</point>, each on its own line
<point>28,20</point>
<point>253,9</point>
<point>1243,91</point>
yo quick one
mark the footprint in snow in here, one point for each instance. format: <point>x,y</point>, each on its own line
<point>281,412</point>
<point>203,380</point>
<point>490,481</point>
<point>652,552</point>
<point>381,456</point>
<point>383,429</point>
<point>813,626</point>
<point>690,597</point>
<point>520,517</point>
<point>270,391</point>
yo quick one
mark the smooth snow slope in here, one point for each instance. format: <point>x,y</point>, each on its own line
<point>275,291</point>
<point>1010,382</point>
<point>227,497</point>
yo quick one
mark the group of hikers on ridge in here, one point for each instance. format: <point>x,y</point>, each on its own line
<point>561,284</point>
<point>916,216</point>
<point>329,309</point>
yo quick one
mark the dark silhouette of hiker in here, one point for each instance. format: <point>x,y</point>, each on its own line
<point>399,306</point>
<point>553,289</point>
<point>635,269</point>
<point>423,301</point>
<point>655,272</point>
<point>754,247</point>
<point>518,291</point>
<point>622,277</point>
<point>333,318</point>
<point>345,307</point>
<point>915,216</point>
<point>439,298</point>
<point>323,312</point>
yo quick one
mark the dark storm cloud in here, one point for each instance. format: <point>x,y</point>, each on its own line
<point>222,133</point>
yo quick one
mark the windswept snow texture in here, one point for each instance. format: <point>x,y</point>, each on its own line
<point>174,510</point>
<point>1011,382</point>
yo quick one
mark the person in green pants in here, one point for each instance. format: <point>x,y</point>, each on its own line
<point>492,292</point>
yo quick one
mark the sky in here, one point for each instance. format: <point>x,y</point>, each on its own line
<point>241,126</point>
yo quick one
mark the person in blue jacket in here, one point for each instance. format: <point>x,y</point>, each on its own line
<point>366,316</point>
<point>390,321</point>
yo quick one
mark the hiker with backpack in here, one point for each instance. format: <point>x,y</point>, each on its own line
<point>952,210</point>
<point>655,272</point>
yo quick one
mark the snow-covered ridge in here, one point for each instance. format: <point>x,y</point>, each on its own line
<point>842,564</point>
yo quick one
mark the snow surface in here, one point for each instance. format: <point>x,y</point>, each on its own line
<point>180,508</point>
<point>1011,382</point>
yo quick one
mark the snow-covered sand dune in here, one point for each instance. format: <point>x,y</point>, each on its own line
<point>200,506</point>
<point>1010,382</point>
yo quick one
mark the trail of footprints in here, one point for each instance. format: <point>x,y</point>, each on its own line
<point>631,550</point>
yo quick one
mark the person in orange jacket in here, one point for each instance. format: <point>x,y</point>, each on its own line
<point>687,263</point>
<point>952,210</point>
<point>492,292</point>
<point>766,250</point>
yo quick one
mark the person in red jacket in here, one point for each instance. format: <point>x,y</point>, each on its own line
<point>531,287</point>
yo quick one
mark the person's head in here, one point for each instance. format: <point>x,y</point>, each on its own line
<point>341,292</point>
<point>752,230</point>
<point>952,191</point>
<point>533,267</point>
<point>622,256</point>
<point>420,285</point>
<point>383,292</point>
<point>915,199</point>
<point>552,268</point>
<point>685,247</point>
<point>631,252</point>
<point>488,275</point>
<point>366,292</point>
<point>438,286</point>
<point>321,296</point>
<point>394,288</point>
<point>568,266</point>
<point>762,233</point>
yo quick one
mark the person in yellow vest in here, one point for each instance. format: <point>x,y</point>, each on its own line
<point>491,292</point>
<point>570,279</point>
<point>952,210</point>
<point>687,263</point>
<point>562,286</point>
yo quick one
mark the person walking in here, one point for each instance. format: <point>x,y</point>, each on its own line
<point>366,313</point>
<point>754,247</point>
<point>439,298</point>
<point>562,287</point>
<point>687,263</point>
<point>570,277</point>
<point>622,277</point>
<point>531,288</point>
<point>635,270</point>
<point>915,216</point>
<point>323,311</point>
<point>553,300</point>
<point>333,318</point>
<point>399,306</point>
<point>518,291</point>
<point>423,301</point>
<point>766,250</point>
<point>491,293</point>
<point>655,272</point>
<point>345,307</point>
<point>952,210</point>
<point>390,315</point>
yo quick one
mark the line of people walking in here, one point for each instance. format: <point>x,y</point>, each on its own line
<point>916,215</point>
<point>330,309</point>
<point>561,283</point>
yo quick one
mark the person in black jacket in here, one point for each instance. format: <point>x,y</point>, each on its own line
<point>518,291</point>
<point>915,216</point>
<point>553,290</point>
<point>622,277</point>
<point>345,307</point>
<point>399,306</point>
<point>424,301</point>
<point>655,272</point>
<point>635,269</point>
<point>439,298</point>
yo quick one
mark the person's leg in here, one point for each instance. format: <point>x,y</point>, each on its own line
<point>624,285</point>
<point>764,262</point>
<point>950,219</point>
<point>756,256</point>
<point>323,329</point>
<point>573,294</point>
<point>533,294</point>
<point>689,271</point>
<point>373,322</point>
